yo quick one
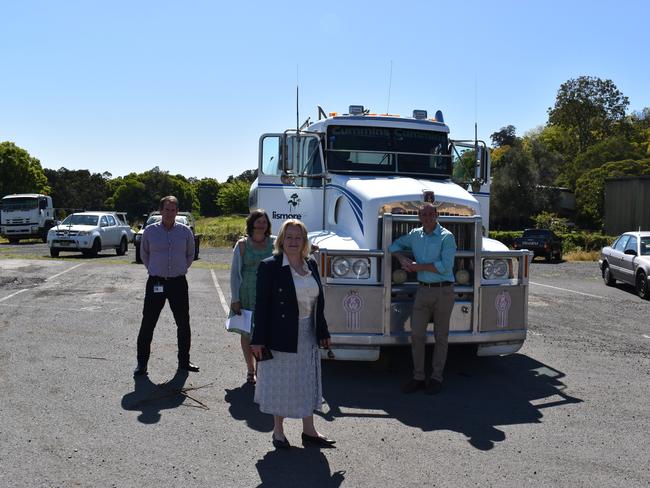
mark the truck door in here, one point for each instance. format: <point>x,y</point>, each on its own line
<point>290,179</point>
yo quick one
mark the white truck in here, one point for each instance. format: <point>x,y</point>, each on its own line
<point>89,233</point>
<point>357,180</point>
<point>26,216</point>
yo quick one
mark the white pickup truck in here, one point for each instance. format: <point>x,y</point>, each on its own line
<point>89,232</point>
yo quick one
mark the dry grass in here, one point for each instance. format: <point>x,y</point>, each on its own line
<point>579,255</point>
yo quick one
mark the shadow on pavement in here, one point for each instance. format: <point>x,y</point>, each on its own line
<point>151,399</point>
<point>297,467</point>
<point>478,394</point>
<point>243,408</point>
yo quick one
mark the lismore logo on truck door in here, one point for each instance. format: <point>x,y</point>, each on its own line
<point>294,201</point>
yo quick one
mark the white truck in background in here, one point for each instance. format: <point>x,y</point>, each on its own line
<point>357,181</point>
<point>26,216</point>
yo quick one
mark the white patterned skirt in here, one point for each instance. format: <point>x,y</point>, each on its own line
<point>289,385</point>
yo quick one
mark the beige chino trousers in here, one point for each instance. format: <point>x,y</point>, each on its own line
<point>435,303</point>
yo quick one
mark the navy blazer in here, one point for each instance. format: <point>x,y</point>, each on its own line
<point>276,306</point>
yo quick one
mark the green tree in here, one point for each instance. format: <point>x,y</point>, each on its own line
<point>589,108</point>
<point>207,190</point>
<point>616,148</point>
<point>590,189</point>
<point>248,176</point>
<point>504,137</point>
<point>514,190</point>
<point>233,197</point>
<point>20,172</point>
<point>78,189</point>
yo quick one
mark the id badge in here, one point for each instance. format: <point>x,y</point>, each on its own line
<point>158,288</point>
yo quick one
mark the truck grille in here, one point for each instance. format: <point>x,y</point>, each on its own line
<point>17,221</point>
<point>463,232</point>
<point>66,233</point>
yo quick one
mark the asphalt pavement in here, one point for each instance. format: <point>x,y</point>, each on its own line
<point>570,409</point>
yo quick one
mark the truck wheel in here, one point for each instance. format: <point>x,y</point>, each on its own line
<point>607,276</point>
<point>97,246</point>
<point>124,246</point>
<point>549,256</point>
<point>642,286</point>
<point>54,253</point>
<point>13,240</point>
<point>138,259</point>
<point>44,237</point>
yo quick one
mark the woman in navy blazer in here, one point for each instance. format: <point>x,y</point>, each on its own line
<point>290,322</point>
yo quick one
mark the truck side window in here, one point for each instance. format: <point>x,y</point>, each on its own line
<point>103,222</point>
<point>271,162</point>
<point>111,220</point>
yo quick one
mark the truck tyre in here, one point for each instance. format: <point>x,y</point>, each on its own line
<point>549,256</point>
<point>124,246</point>
<point>54,253</point>
<point>607,276</point>
<point>642,286</point>
<point>138,259</point>
<point>97,246</point>
<point>13,240</point>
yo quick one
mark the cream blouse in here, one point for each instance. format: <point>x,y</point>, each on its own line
<point>306,289</point>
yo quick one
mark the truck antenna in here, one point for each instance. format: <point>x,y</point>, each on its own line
<point>297,111</point>
<point>390,82</point>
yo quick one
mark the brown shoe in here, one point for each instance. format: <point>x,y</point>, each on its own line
<point>412,386</point>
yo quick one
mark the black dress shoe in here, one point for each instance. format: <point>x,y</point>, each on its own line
<point>189,367</point>
<point>412,386</point>
<point>433,388</point>
<point>280,444</point>
<point>140,369</point>
<point>317,440</point>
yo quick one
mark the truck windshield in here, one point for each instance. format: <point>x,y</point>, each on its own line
<point>81,220</point>
<point>363,149</point>
<point>24,203</point>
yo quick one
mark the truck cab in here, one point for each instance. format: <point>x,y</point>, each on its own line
<point>357,181</point>
<point>26,216</point>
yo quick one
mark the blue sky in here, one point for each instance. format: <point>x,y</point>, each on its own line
<point>190,86</point>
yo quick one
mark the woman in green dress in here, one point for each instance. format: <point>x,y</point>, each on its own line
<point>247,254</point>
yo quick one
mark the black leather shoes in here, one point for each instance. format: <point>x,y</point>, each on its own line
<point>280,444</point>
<point>140,369</point>
<point>317,441</point>
<point>189,367</point>
<point>412,386</point>
<point>433,388</point>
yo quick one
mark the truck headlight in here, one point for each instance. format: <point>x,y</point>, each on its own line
<point>83,233</point>
<point>354,268</point>
<point>497,269</point>
<point>340,266</point>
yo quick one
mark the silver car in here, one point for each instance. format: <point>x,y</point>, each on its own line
<point>628,260</point>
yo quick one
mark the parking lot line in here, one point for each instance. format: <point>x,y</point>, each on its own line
<point>46,279</point>
<point>62,272</point>
<point>222,298</point>
<point>13,294</point>
<point>566,289</point>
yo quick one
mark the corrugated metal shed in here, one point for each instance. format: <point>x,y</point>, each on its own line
<point>627,204</point>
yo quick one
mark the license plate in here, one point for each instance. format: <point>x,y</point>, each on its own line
<point>529,243</point>
<point>66,243</point>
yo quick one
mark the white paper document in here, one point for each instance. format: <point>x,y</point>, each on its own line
<point>240,323</point>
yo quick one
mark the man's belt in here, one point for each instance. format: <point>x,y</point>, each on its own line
<point>171,278</point>
<point>437,284</point>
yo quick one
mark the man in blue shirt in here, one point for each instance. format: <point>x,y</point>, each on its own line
<point>434,248</point>
<point>167,251</point>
